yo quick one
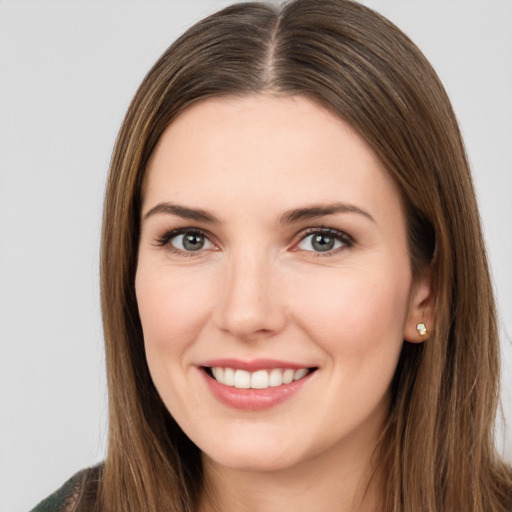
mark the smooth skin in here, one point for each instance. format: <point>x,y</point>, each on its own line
<point>250,275</point>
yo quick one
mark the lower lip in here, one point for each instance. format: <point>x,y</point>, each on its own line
<point>254,399</point>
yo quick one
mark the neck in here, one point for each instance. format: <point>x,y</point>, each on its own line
<point>325,483</point>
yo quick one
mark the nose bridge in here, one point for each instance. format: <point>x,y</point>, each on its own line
<point>250,305</point>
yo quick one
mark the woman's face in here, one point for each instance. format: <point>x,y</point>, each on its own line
<point>273,247</point>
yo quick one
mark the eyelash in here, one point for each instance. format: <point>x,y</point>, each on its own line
<point>169,235</point>
<point>346,240</point>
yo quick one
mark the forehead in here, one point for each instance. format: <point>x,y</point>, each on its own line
<point>236,151</point>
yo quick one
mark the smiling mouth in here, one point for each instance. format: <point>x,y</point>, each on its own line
<point>260,379</point>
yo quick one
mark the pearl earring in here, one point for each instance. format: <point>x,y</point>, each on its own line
<point>421,328</point>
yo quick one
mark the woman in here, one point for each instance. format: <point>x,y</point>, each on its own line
<point>289,200</point>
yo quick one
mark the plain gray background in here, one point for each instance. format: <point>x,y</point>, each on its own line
<point>68,69</point>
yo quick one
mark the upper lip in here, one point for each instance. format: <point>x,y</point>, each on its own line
<point>253,365</point>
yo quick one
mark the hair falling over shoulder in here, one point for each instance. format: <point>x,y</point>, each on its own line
<point>438,445</point>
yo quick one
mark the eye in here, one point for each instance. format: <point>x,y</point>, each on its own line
<point>186,240</point>
<point>324,241</point>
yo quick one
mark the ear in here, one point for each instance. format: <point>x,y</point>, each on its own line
<point>421,309</point>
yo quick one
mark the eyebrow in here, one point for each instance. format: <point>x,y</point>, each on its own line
<point>182,211</point>
<point>315,211</point>
<point>289,217</point>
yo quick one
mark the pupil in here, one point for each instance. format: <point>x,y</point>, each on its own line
<point>323,243</point>
<point>193,242</point>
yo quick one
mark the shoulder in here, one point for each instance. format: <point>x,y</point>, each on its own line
<point>80,487</point>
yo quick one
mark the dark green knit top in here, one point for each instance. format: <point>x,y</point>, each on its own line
<point>77,494</point>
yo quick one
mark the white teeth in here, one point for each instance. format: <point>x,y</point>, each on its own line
<point>242,379</point>
<point>261,379</point>
<point>218,373</point>
<point>229,377</point>
<point>288,376</point>
<point>275,378</point>
<point>300,373</point>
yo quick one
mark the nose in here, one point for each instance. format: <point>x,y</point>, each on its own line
<point>250,305</point>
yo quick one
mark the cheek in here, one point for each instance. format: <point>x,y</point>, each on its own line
<point>172,309</point>
<point>355,312</point>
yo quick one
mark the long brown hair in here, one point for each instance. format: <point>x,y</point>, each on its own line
<point>437,448</point>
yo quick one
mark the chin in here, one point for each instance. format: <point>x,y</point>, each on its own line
<point>255,458</point>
